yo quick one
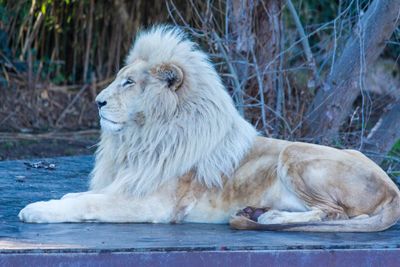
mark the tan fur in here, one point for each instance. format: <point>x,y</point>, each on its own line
<point>339,183</point>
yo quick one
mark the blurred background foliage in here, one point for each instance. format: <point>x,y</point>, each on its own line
<point>56,55</point>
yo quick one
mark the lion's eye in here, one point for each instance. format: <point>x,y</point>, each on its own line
<point>128,82</point>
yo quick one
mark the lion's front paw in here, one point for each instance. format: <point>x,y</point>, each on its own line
<point>42,212</point>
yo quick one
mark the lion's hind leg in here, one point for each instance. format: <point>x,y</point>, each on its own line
<point>251,218</point>
<point>285,217</point>
<point>276,220</point>
<point>273,216</point>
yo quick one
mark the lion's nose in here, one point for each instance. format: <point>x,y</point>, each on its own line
<point>101,104</point>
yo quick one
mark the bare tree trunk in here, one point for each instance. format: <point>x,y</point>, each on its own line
<point>384,135</point>
<point>256,33</point>
<point>243,42</point>
<point>269,33</point>
<point>88,42</point>
<point>334,100</point>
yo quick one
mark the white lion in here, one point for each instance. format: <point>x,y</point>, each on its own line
<point>174,149</point>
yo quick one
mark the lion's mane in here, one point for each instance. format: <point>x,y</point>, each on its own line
<point>197,130</point>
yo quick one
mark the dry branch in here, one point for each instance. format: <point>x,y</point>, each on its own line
<point>333,102</point>
<point>315,83</point>
<point>66,110</point>
<point>384,135</point>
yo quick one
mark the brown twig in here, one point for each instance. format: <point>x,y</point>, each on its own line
<point>66,110</point>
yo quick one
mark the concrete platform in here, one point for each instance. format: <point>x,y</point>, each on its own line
<point>160,245</point>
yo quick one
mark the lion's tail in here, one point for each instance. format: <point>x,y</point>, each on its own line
<point>380,221</point>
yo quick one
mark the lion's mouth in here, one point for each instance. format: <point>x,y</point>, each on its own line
<point>110,125</point>
<point>108,120</point>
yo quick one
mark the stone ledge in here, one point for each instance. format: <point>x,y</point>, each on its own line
<point>95,243</point>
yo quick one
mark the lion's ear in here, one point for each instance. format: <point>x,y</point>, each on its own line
<point>169,73</point>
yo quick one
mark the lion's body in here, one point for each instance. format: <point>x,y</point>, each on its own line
<point>339,185</point>
<point>174,149</point>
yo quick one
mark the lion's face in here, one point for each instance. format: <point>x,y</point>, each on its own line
<point>138,91</point>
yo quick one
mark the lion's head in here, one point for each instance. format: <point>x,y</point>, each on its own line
<point>140,88</point>
<point>165,114</point>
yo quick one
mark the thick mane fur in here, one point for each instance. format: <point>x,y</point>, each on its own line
<point>194,129</point>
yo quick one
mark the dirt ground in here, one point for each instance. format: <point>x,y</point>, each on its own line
<point>47,145</point>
